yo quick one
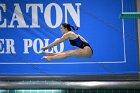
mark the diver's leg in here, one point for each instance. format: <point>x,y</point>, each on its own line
<point>85,53</point>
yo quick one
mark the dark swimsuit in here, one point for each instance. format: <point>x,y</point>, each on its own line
<point>79,43</point>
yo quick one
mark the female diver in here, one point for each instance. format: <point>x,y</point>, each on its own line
<point>84,50</point>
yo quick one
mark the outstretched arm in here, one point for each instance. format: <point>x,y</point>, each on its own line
<point>58,41</point>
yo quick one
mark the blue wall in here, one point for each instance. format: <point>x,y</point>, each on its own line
<point>112,39</point>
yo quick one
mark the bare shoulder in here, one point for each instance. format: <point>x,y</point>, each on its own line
<point>72,35</point>
<point>69,35</point>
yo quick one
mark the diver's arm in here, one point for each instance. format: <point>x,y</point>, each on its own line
<point>57,41</point>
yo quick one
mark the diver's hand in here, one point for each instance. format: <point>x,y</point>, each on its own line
<point>43,48</point>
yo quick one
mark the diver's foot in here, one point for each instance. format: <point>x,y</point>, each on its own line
<point>48,54</point>
<point>43,52</point>
<point>46,57</point>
